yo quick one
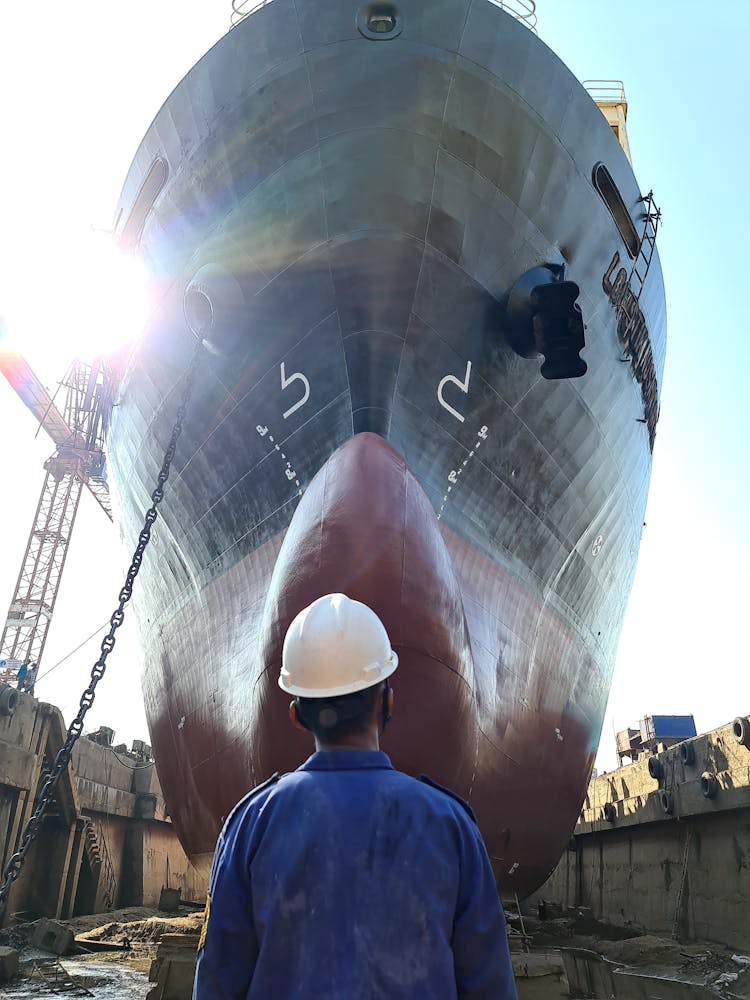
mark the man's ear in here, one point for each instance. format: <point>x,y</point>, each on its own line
<point>386,706</point>
<point>294,717</point>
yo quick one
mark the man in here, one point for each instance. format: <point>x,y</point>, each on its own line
<point>21,677</point>
<point>31,678</point>
<point>346,879</point>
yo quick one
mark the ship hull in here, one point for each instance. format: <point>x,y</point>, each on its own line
<point>343,219</point>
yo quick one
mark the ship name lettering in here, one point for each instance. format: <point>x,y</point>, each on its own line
<point>607,279</point>
<point>286,382</point>
<point>463,386</point>
<point>632,332</point>
<point>618,288</point>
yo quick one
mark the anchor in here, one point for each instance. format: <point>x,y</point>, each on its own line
<point>543,317</point>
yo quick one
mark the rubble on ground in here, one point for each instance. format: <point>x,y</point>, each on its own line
<point>132,933</point>
<point>700,963</point>
<point>135,924</point>
<point>720,969</point>
<point>8,963</point>
<point>147,930</point>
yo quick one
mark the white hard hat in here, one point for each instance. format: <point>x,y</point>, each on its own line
<point>335,646</point>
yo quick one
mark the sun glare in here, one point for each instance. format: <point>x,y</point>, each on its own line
<point>79,298</point>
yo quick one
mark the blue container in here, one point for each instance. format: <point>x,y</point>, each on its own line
<point>667,727</point>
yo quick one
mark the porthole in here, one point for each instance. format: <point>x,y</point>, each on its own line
<point>379,21</point>
<point>612,198</point>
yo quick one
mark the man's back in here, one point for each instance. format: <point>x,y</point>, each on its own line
<point>347,879</point>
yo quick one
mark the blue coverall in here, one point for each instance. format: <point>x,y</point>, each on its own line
<point>349,880</point>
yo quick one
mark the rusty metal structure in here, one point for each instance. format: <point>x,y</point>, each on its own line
<point>78,461</point>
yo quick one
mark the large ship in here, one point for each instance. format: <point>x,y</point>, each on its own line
<point>432,321</point>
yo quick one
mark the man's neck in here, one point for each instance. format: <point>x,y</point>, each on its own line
<point>368,740</point>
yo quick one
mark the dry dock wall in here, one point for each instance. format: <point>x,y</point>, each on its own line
<point>125,801</point>
<point>657,854</point>
<point>106,840</point>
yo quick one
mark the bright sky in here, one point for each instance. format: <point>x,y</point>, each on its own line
<point>80,85</point>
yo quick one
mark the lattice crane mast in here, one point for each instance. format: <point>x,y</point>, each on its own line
<point>78,461</point>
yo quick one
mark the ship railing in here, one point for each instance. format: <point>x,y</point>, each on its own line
<point>522,10</point>
<point>606,91</point>
<point>243,8</point>
<point>609,97</point>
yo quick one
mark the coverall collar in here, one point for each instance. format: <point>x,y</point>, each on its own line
<point>347,760</point>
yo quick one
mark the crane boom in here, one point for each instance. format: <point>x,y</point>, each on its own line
<point>86,409</point>
<point>78,435</point>
<point>30,390</point>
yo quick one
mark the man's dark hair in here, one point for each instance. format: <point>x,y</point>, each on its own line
<point>333,719</point>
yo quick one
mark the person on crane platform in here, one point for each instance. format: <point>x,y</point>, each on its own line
<point>346,878</point>
<point>31,678</point>
<point>21,676</point>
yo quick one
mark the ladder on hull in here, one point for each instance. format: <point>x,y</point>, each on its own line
<point>647,245</point>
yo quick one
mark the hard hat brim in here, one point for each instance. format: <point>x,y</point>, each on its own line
<point>337,692</point>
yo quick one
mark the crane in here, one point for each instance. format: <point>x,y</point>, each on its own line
<point>78,460</point>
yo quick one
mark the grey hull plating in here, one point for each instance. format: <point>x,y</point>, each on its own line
<point>355,211</point>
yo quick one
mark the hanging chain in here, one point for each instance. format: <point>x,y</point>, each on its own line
<point>15,864</point>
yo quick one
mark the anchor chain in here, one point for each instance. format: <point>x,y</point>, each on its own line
<point>16,862</point>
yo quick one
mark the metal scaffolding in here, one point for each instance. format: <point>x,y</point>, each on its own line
<point>30,612</point>
<point>78,433</point>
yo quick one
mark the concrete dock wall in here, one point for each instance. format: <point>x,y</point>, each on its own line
<point>164,864</point>
<point>126,801</point>
<point>29,740</point>
<point>653,851</point>
<point>107,841</point>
